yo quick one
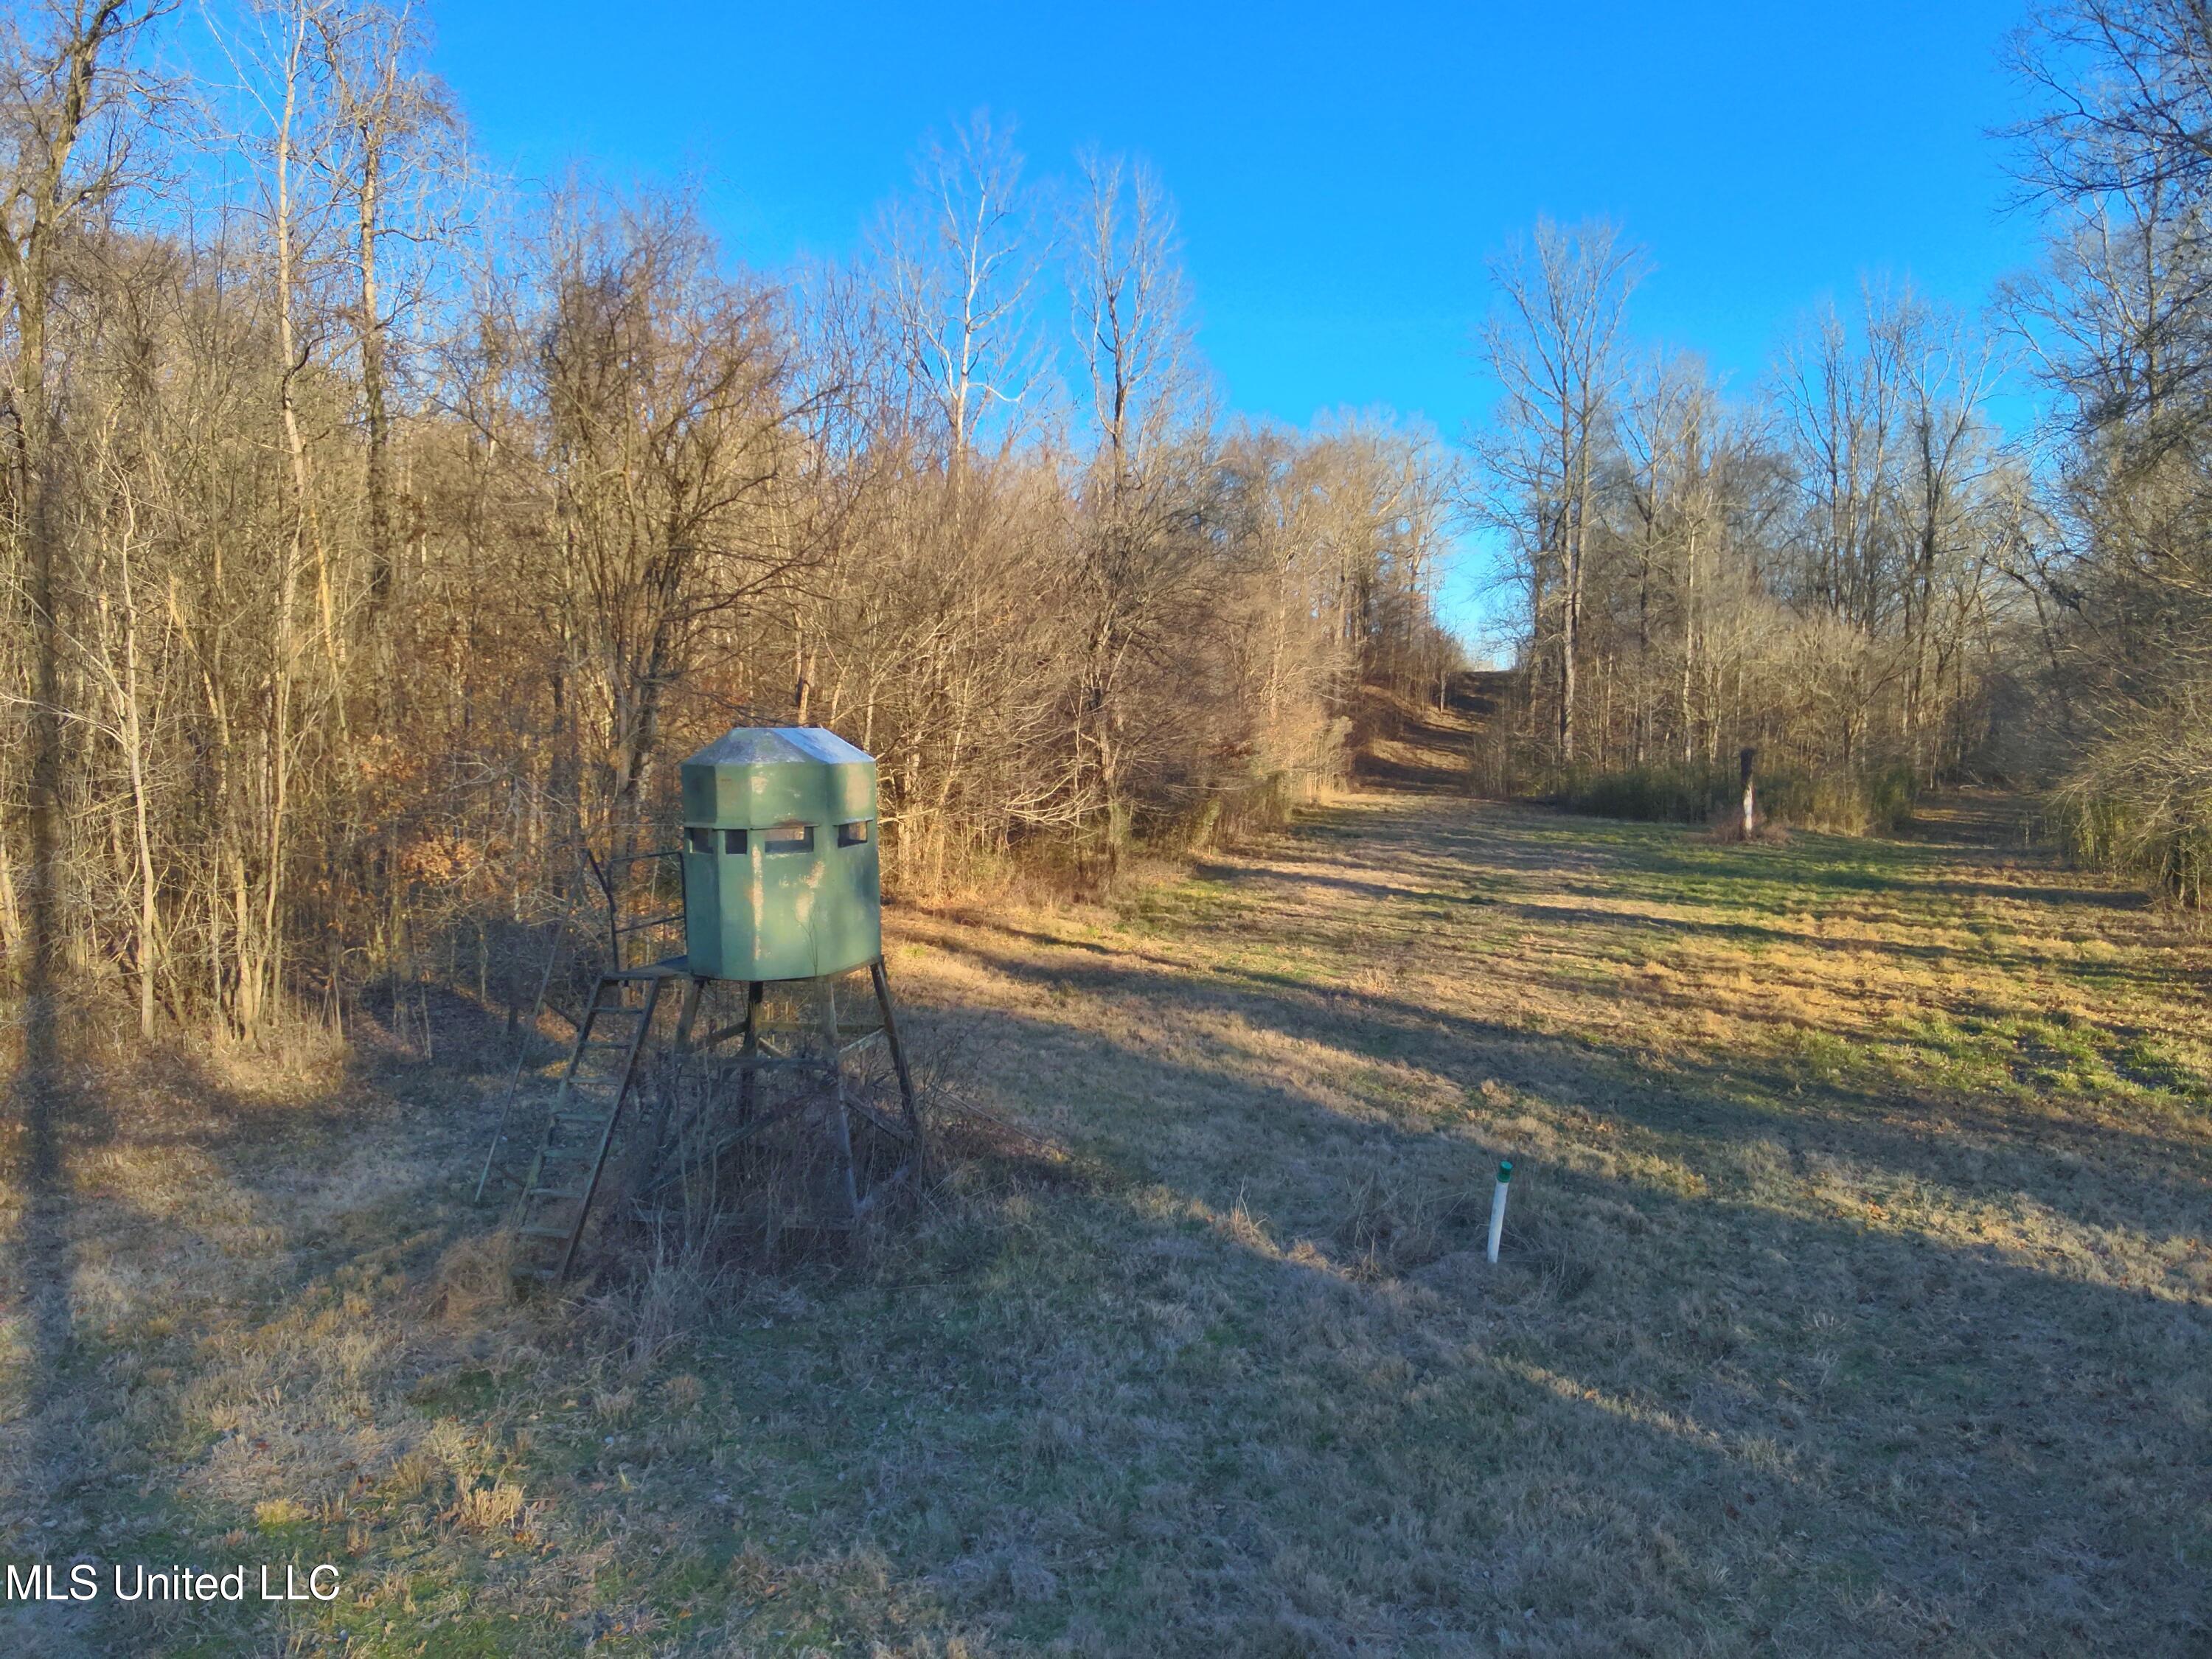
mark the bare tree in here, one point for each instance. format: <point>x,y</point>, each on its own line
<point>1133,342</point>
<point>386,542</point>
<point>2118,574</point>
<point>662,385</point>
<point>399,152</point>
<point>1554,347</point>
<point>68,130</point>
<point>959,259</point>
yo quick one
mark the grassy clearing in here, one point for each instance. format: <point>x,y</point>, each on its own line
<point>1855,1300</point>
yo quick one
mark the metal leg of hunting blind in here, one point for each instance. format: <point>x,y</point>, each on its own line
<point>651,1166</point>
<point>841,1119</point>
<point>749,1051</point>
<point>882,982</point>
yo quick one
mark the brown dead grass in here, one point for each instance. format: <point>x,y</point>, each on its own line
<point>1855,1298</point>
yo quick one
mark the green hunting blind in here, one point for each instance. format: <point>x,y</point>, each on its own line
<point>781,886</point>
<point>780,879</point>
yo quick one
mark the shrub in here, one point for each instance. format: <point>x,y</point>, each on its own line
<point>1846,802</point>
<point>1891,794</point>
<point>1231,812</point>
<point>2138,802</point>
<point>2166,845</point>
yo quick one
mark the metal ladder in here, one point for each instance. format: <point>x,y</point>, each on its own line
<point>572,1155</point>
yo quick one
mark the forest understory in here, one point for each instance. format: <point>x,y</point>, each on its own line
<point>1853,1299</point>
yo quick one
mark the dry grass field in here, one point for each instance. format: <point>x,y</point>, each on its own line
<point>1856,1297</point>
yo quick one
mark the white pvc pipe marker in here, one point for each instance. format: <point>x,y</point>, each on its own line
<point>1497,1206</point>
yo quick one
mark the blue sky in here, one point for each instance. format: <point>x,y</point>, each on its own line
<point>1342,172</point>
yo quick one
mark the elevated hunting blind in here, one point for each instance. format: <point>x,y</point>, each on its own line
<point>781,878</point>
<point>781,886</point>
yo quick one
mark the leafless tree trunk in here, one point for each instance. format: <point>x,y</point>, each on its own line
<point>1554,348</point>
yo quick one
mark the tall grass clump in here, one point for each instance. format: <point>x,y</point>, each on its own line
<point>1852,803</point>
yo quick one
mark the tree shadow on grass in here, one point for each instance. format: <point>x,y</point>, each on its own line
<point>1254,1389</point>
<point>1182,1407</point>
<point>1726,1101</point>
<point>1913,870</point>
<point>53,1464</point>
<point>1847,1439</point>
<point>165,1214</point>
<point>1414,777</point>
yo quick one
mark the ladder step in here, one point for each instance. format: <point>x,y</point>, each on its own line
<point>574,1147</point>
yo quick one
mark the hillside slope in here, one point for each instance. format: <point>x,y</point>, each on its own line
<point>1408,746</point>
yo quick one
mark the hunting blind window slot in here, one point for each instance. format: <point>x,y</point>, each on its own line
<point>733,840</point>
<point>701,841</point>
<point>852,835</point>
<point>790,838</point>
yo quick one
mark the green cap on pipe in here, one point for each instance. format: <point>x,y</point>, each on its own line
<point>1505,1170</point>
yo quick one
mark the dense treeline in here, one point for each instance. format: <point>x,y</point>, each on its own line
<point>377,535</point>
<point>1817,569</point>
<point>1847,565</point>
<point>2121,580</point>
<point>374,546</point>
